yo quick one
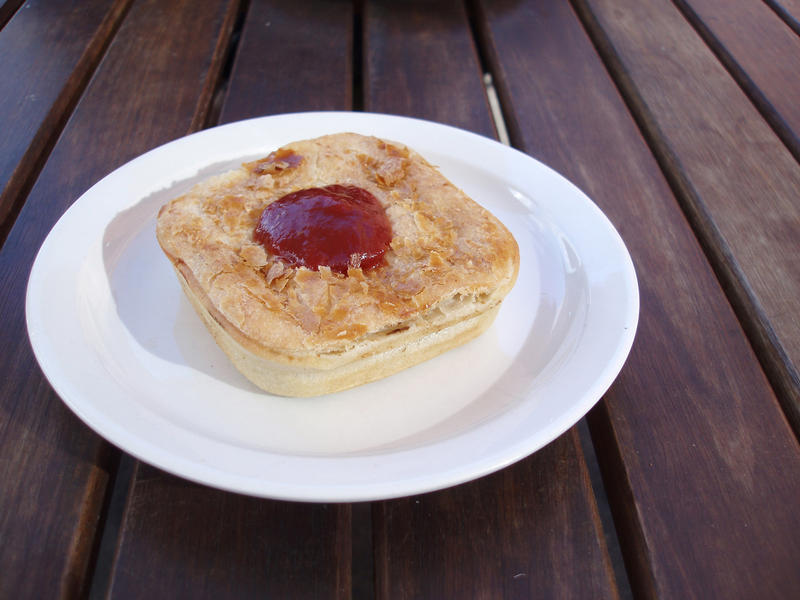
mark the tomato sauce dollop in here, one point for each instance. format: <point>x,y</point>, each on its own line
<point>338,226</point>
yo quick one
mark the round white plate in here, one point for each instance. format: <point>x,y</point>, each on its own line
<point>123,348</point>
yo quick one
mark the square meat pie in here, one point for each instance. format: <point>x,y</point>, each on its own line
<point>336,261</point>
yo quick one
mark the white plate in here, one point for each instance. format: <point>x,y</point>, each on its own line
<point>123,348</point>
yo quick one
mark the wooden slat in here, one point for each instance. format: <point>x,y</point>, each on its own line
<point>181,540</point>
<point>762,53</point>
<point>187,541</point>
<point>525,532</point>
<point>420,61</point>
<point>737,180</point>
<point>701,466</point>
<point>292,57</point>
<point>534,527</point>
<point>53,471</point>
<point>52,50</point>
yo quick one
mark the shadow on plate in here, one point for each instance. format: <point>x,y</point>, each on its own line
<point>146,292</point>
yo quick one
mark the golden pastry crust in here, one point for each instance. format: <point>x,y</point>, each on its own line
<point>449,258</point>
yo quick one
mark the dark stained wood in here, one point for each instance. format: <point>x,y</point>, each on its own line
<point>701,466</point>
<point>54,471</point>
<point>420,61</point>
<point>181,540</point>
<point>474,540</point>
<point>714,146</point>
<point>53,476</point>
<point>524,532</point>
<point>293,57</point>
<point>761,52</point>
<point>54,47</point>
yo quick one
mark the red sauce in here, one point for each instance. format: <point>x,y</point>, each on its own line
<point>339,226</point>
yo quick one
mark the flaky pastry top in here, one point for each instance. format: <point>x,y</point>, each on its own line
<point>444,246</point>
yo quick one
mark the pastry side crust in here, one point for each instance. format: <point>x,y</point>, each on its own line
<point>372,360</point>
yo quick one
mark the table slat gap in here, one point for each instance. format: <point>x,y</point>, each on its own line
<point>636,554</point>
<point>110,530</point>
<point>493,68</point>
<point>7,10</point>
<point>363,559</point>
<point>209,102</point>
<point>605,515</point>
<point>496,109</point>
<point>22,179</point>
<point>358,55</point>
<point>477,30</point>
<point>790,15</point>
<point>75,579</point>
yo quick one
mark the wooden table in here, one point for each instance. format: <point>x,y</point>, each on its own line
<point>680,119</point>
